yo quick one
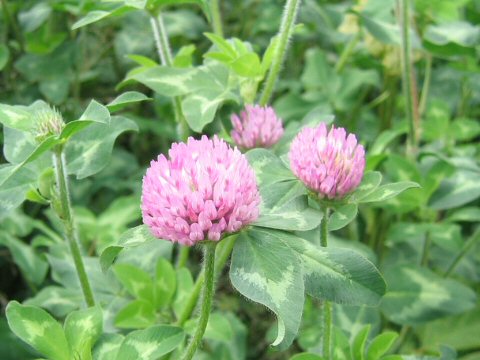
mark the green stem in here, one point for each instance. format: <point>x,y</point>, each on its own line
<point>216,17</point>
<point>224,250</point>
<point>11,19</point>
<point>182,256</point>
<point>284,34</point>
<point>466,247</point>
<point>166,58</point>
<point>65,213</point>
<point>407,76</point>
<point>426,249</point>
<point>426,85</point>
<point>327,306</point>
<point>347,50</point>
<point>324,227</point>
<point>208,292</point>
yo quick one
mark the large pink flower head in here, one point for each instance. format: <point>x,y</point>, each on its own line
<point>328,162</point>
<point>204,190</point>
<point>257,126</point>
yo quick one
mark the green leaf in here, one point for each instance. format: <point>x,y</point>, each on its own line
<point>165,283</point>
<point>335,274</point>
<point>126,99</point>
<point>96,112</point>
<point>184,289</point>
<point>381,344</point>
<point>33,267</point>
<point>200,108</point>
<point>14,187</point>
<point>136,281</point>
<point>469,214</point>
<point>463,187</point>
<point>218,328</point>
<point>89,151</point>
<point>389,191</point>
<point>107,346</point>
<point>369,184</point>
<point>222,45</point>
<point>41,148</point>
<point>39,329</point>
<point>151,343</point>
<point>306,356</point>
<point>294,215</point>
<point>268,272</point>
<point>135,315</point>
<point>90,18</point>
<point>184,56</point>
<point>452,38</point>
<point>57,300</point>
<point>247,65</point>
<point>342,216</point>
<point>358,346</point>
<point>416,295</point>
<point>16,117</point>
<point>82,329</point>
<point>4,55</point>
<point>167,81</point>
<point>269,169</point>
<point>131,238</point>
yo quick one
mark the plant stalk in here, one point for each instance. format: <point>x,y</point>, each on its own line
<point>327,305</point>
<point>408,79</point>
<point>166,58</point>
<point>66,215</point>
<point>286,29</point>
<point>466,247</point>
<point>224,250</point>
<point>346,53</point>
<point>208,292</point>
<point>426,85</point>
<point>216,17</point>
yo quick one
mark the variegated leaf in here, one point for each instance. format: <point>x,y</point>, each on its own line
<point>39,329</point>
<point>417,295</point>
<point>389,191</point>
<point>89,151</point>
<point>342,216</point>
<point>82,329</point>
<point>267,271</point>
<point>335,274</point>
<point>107,346</point>
<point>150,343</point>
<point>371,180</point>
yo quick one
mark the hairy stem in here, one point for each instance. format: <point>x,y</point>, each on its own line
<point>64,211</point>
<point>216,17</point>
<point>208,292</point>
<point>166,58</point>
<point>284,34</point>
<point>408,78</point>
<point>327,306</point>
<point>466,247</point>
<point>224,250</point>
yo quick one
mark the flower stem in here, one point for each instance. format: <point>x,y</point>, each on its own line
<point>216,17</point>
<point>426,85</point>
<point>224,250</point>
<point>408,78</point>
<point>65,213</point>
<point>466,247</point>
<point>166,58</point>
<point>327,306</point>
<point>182,256</point>
<point>284,34</point>
<point>208,291</point>
<point>346,53</point>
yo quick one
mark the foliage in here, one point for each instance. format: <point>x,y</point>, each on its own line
<point>401,270</point>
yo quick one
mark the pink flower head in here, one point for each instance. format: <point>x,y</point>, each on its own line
<point>204,190</point>
<point>258,127</point>
<point>328,162</point>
